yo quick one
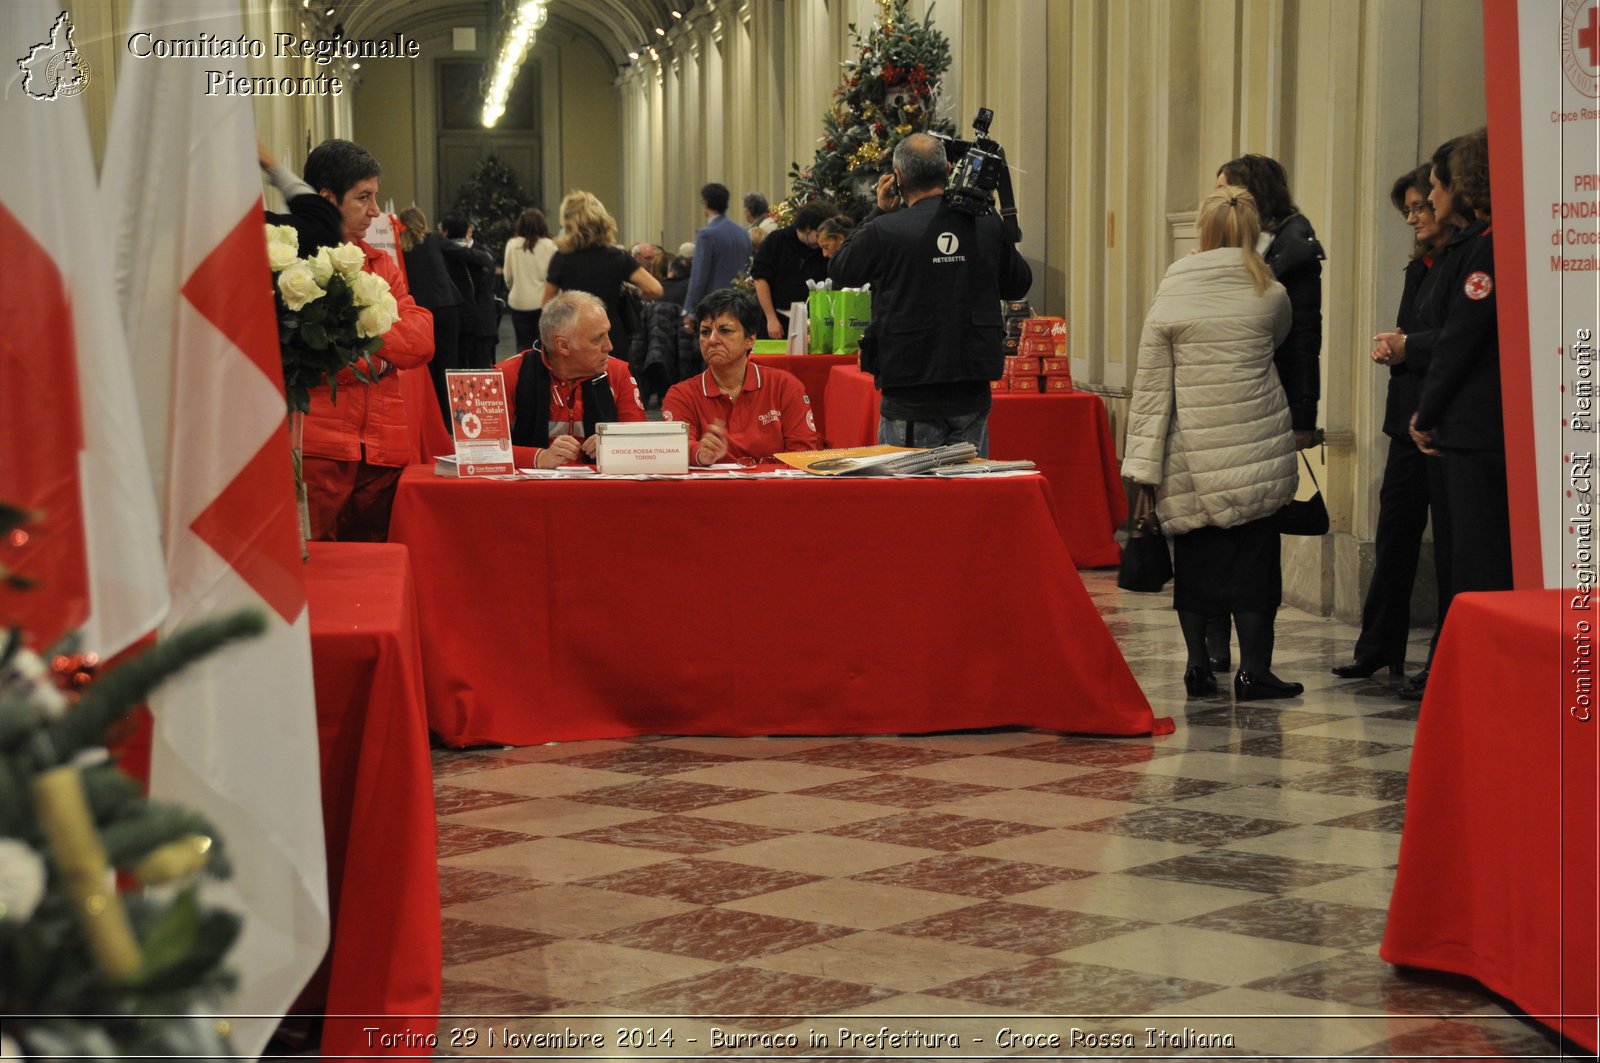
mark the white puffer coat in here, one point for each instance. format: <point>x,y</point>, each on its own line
<point>1209,424</point>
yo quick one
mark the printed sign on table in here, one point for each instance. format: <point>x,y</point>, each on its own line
<point>478,421</point>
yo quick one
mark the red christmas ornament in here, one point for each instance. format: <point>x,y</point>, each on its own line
<point>72,672</point>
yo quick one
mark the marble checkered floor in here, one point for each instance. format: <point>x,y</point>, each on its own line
<point>1230,879</point>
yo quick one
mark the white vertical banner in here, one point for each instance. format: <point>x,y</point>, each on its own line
<point>1542,75</point>
<point>1542,78</point>
<point>235,736</point>
<point>382,234</point>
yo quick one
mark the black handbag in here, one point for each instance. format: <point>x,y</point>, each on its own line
<point>1308,517</point>
<point>1146,561</point>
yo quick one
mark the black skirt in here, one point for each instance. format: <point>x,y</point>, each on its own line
<point>1228,570</point>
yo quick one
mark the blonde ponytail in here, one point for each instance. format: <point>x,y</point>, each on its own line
<point>1228,218</point>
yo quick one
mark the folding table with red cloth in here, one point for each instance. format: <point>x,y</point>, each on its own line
<point>813,370</point>
<point>1067,435</point>
<point>1497,875</point>
<point>384,954</point>
<point>384,960</point>
<point>563,610</point>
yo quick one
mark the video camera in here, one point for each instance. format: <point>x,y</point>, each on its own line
<point>978,171</point>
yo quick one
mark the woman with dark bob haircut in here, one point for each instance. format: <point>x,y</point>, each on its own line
<point>1458,420</point>
<point>734,409</point>
<point>1404,498</point>
<point>1290,248</point>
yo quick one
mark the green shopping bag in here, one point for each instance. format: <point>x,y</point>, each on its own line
<point>852,313</point>
<point>819,308</point>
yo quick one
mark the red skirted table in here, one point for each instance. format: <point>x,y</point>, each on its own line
<point>1068,436</point>
<point>556,611</point>
<point>813,370</point>
<point>1497,874</point>
<point>377,796</point>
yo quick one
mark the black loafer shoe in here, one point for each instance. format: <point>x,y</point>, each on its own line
<point>1259,686</point>
<point>1414,690</point>
<point>1361,669</point>
<point>1221,664</point>
<point>1199,681</point>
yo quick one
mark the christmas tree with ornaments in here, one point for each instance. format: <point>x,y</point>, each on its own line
<point>106,949</point>
<point>889,89</point>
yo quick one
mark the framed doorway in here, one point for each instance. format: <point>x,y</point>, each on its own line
<point>463,141</point>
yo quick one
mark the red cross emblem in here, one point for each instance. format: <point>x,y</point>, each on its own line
<point>1478,285</point>
<point>1589,36</point>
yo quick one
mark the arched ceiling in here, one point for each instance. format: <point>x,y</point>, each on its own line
<point>615,27</point>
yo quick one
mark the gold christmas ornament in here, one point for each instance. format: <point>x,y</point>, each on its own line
<point>175,860</point>
<point>80,859</point>
<point>869,154</point>
<point>886,14</point>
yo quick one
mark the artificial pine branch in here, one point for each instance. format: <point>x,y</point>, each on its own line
<point>129,840</point>
<point>115,692</point>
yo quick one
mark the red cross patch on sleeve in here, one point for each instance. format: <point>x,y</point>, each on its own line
<point>1478,285</point>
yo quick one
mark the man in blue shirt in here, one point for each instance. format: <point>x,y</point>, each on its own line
<point>721,251</point>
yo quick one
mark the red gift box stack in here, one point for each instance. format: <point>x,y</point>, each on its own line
<point>1036,353</point>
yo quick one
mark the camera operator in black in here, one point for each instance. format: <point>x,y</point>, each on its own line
<point>938,276</point>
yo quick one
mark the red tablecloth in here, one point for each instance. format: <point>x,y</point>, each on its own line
<point>377,795</point>
<point>1068,436</point>
<point>428,436</point>
<point>813,370</point>
<point>1497,872</point>
<point>560,610</point>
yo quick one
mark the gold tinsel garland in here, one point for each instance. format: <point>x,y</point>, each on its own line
<point>869,154</point>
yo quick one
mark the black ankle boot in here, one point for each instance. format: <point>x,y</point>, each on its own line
<point>1259,686</point>
<point>1416,688</point>
<point>1199,681</point>
<point>1362,667</point>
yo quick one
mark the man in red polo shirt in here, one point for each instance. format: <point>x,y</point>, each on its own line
<point>735,409</point>
<point>568,384</point>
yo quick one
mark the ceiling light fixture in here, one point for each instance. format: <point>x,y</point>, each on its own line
<point>660,32</point>
<point>530,17</point>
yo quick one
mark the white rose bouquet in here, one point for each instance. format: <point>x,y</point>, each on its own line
<point>331,314</point>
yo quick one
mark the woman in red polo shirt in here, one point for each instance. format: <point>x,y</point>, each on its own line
<point>734,409</point>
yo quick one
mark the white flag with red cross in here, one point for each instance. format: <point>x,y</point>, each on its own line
<point>70,445</point>
<point>235,736</point>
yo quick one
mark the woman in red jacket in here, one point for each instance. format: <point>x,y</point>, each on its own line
<point>356,445</point>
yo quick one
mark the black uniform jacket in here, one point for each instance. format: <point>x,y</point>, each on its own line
<point>1405,379</point>
<point>1460,401</point>
<point>937,278</point>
